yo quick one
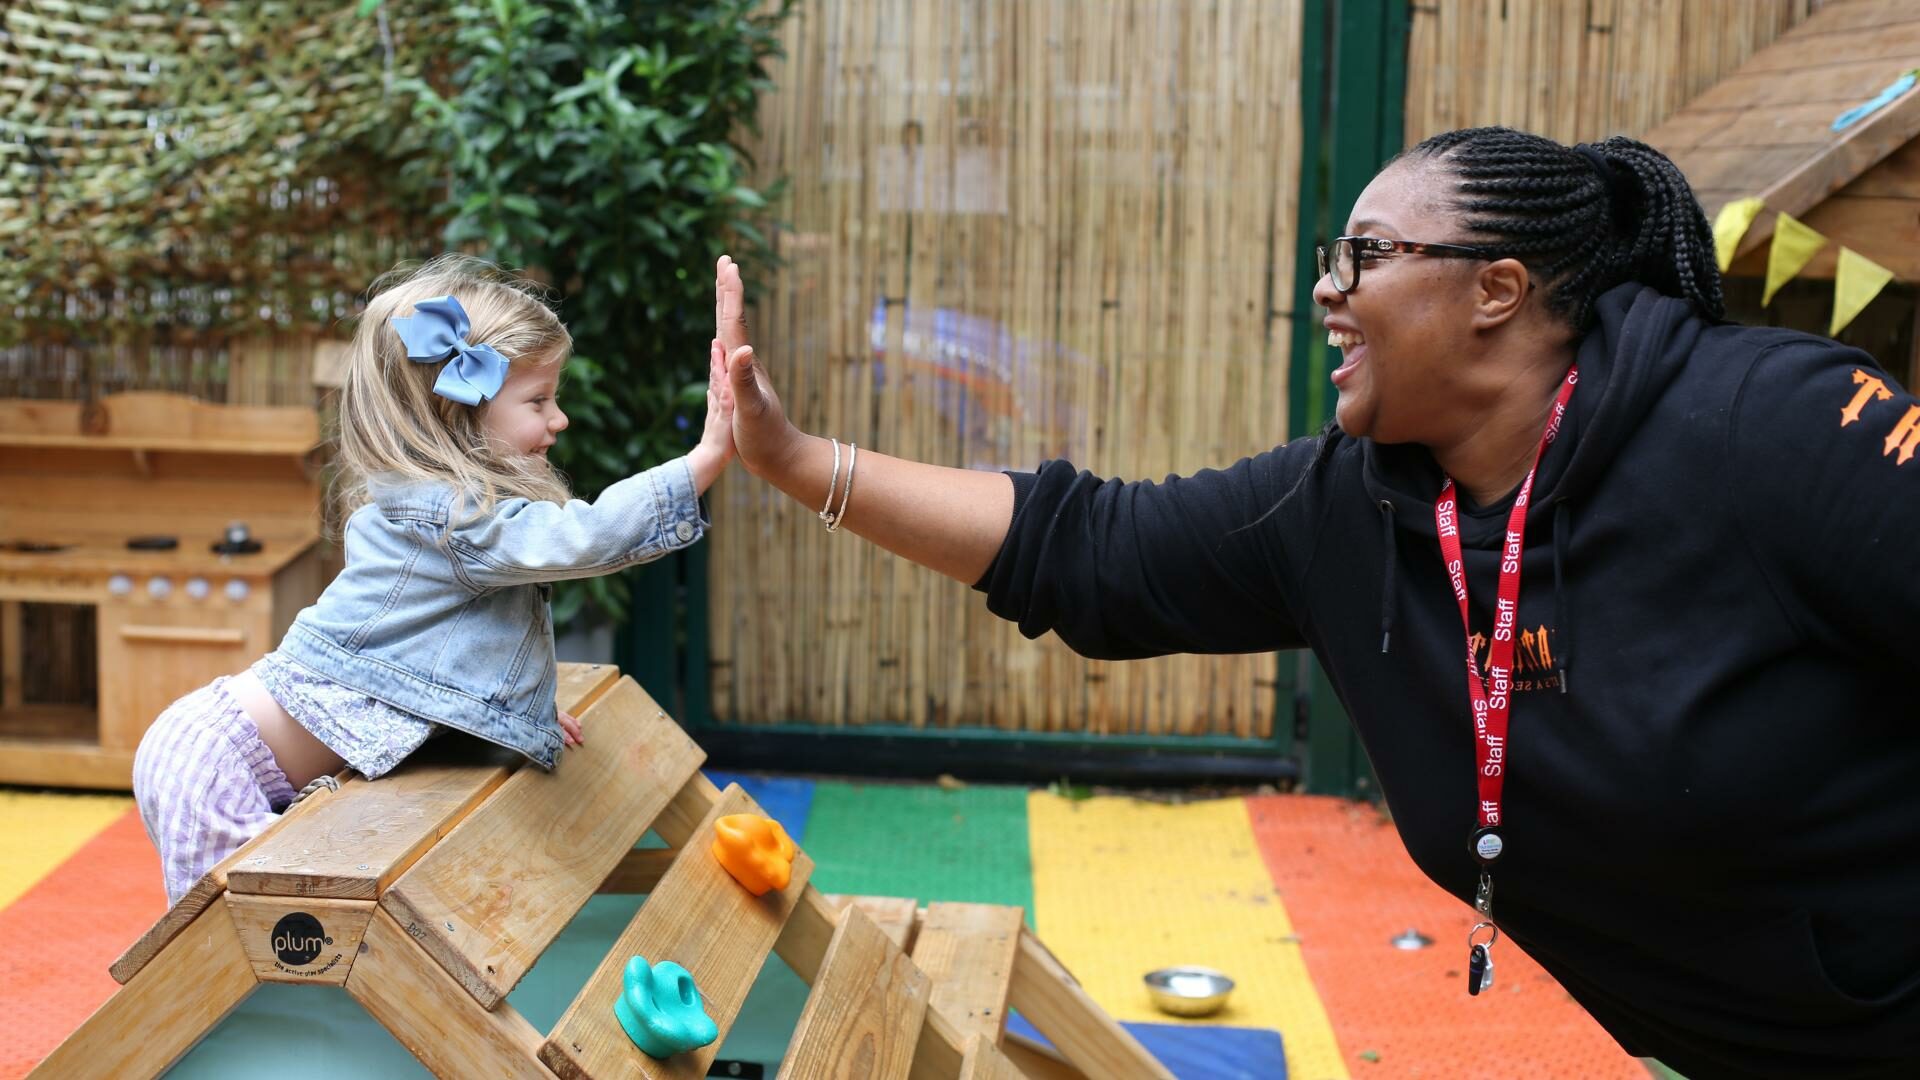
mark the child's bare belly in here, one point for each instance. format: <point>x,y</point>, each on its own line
<point>301,756</point>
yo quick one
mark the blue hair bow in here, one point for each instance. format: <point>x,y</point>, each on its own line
<point>436,331</point>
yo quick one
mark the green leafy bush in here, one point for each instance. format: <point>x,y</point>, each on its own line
<point>591,142</point>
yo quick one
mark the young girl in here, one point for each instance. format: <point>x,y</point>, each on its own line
<point>440,617</point>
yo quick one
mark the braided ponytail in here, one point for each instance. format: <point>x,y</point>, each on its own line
<point>1582,219</point>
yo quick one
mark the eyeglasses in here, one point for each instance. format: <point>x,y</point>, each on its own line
<point>1348,251</point>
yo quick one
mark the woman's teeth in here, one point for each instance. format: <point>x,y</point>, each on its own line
<point>1342,339</point>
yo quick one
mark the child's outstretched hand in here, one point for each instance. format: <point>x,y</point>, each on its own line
<point>710,457</point>
<point>569,728</point>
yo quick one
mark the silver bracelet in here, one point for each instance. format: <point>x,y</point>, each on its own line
<point>846,493</point>
<point>826,511</point>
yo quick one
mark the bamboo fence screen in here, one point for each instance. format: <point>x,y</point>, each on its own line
<point>1017,230</point>
<point>1577,70</point>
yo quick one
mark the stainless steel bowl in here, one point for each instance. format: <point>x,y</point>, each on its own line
<point>1188,991</point>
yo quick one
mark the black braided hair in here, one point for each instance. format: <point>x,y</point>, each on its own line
<point>1579,231</point>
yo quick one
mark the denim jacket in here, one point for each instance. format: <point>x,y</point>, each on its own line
<point>448,619</point>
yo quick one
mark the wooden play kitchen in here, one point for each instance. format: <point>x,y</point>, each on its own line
<point>429,893</point>
<point>113,598</point>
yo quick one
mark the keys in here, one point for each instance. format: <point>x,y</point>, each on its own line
<point>1479,969</point>
<point>1480,957</point>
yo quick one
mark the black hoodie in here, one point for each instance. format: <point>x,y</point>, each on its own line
<point>1713,796</point>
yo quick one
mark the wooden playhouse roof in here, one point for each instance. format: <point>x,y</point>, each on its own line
<point>1766,130</point>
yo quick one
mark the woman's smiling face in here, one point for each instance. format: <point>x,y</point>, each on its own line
<point>1407,325</point>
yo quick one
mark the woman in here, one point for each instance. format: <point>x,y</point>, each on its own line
<point>1706,823</point>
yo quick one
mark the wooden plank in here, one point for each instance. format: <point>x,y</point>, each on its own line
<point>355,848</point>
<point>430,1015</point>
<point>1843,85</point>
<point>578,686</point>
<point>157,420</point>
<point>1891,48</point>
<point>686,810</point>
<point>640,870</point>
<point>1689,128</point>
<point>803,945</point>
<point>968,951</point>
<point>1733,166</point>
<point>864,1015</point>
<point>809,930</point>
<point>69,724</point>
<point>64,764</point>
<point>300,939</point>
<point>984,1061</point>
<point>163,1010</point>
<point>1783,125</point>
<point>700,918</point>
<point>1862,146</point>
<point>1857,15</point>
<point>488,899</point>
<point>1896,177</point>
<point>152,653</point>
<point>1048,996</point>
<point>939,1053</point>
<point>205,891</point>
<point>1037,1060</point>
<point>897,916</point>
<point>356,845</point>
<point>10,654</point>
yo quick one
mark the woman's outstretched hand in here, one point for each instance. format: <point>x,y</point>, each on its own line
<point>762,435</point>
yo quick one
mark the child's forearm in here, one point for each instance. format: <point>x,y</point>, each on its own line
<point>707,465</point>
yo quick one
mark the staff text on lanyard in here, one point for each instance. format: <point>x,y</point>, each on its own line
<point>1491,693</point>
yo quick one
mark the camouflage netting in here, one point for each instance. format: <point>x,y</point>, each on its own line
<point>173,175</point>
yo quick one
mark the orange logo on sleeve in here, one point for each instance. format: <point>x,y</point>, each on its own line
<point>1905,439</point>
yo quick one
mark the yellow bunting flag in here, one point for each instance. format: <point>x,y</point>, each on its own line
<point>1856,281</point>
<point>1793,246</point>
<point>1729,225</point>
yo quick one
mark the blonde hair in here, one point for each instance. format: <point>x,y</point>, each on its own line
<point>392,424</point>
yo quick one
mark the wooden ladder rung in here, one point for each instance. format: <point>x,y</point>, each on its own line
<point>639,871</point>
<point>968,950</point>
<point>493,893</point>
<point>433,1016</point>
<point>897,916</point>
<point>1048,996</point>
<point>698,917</point>
<point>984,1061</point>
<point>865,1013</point>
<point>1037,1060</point>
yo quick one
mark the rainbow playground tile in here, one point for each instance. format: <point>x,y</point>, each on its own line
<point>1295,896</point>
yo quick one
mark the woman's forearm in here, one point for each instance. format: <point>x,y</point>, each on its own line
<point>951,520</point>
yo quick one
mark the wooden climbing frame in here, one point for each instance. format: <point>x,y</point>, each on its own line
<point>429,893</point>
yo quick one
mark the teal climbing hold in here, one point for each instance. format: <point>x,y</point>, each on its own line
<point>661,1010</point>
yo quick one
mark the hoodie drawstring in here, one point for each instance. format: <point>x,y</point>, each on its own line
<point>1563,656</point>
<point>1386,582</point>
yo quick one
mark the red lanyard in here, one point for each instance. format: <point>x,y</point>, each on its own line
<point>1491,694</point>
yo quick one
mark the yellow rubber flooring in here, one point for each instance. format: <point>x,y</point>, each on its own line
<point>42,832</point>
<point>1121,886</point>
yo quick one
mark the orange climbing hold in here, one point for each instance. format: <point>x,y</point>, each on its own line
<point>755,850</point>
